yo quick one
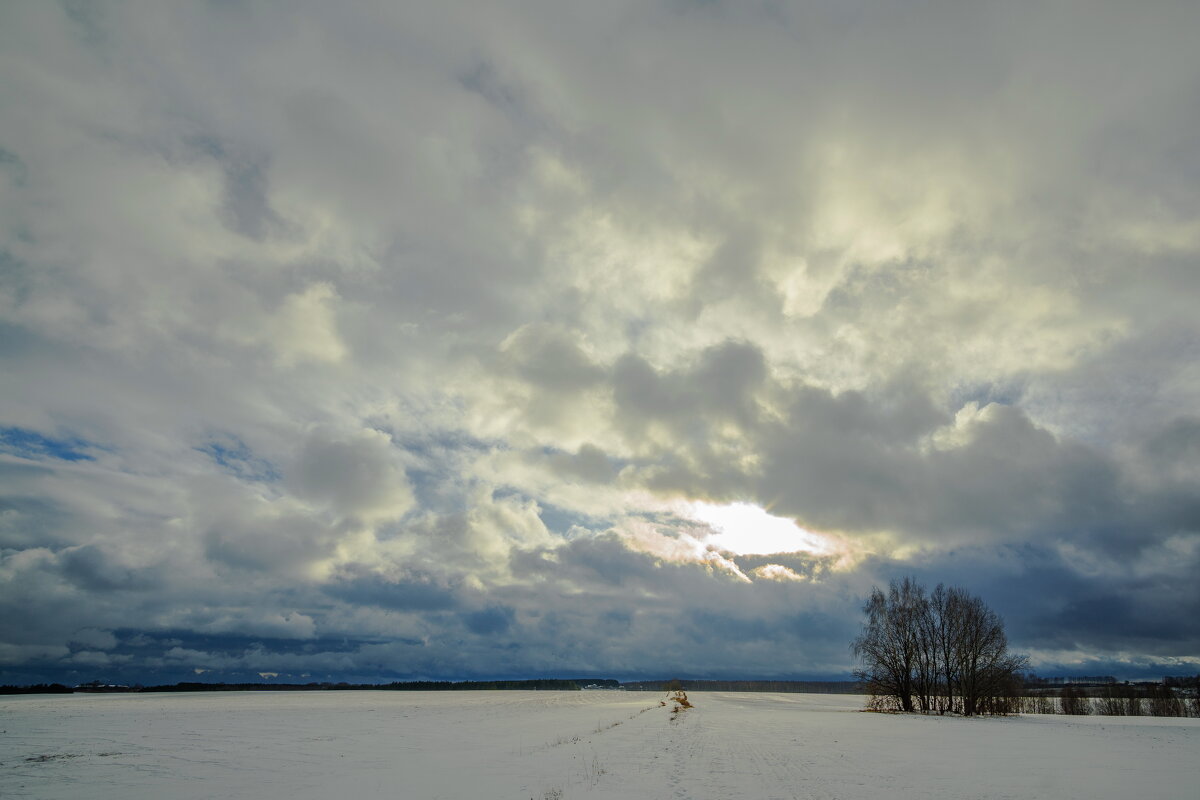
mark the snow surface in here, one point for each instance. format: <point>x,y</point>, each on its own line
<point>592,744</point>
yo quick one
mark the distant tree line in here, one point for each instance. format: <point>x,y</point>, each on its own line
<point>37,688</point>
<point>1172,697</point>
<point>809,687</point>
<point>552,684</point>
<point>549,684</point>
<point>1075,679</point>
<point>555,684</point>
<point>936,652</point>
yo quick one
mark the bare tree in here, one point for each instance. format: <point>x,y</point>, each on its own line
<point>1133,703</point>
<point>1074,701</point>
<point>889,642</point>
<point>1164,702</point>
<point>945,609</point>
<point>1112,700</point>
<point>923,651</point>
<point>1044,705</point>
<point>986,670</point>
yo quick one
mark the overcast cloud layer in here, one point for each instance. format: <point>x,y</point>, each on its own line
<point>353,342</point>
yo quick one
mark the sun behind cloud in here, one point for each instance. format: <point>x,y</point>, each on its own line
<point>748,529</point>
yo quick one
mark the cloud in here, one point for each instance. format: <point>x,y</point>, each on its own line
<point>286,625</point>
<point>407,593</point>
<point>93,637</point>
<point>399,342</point>
<point>359,474</point>
<point>91,568</point>
<point>305,327</point>
<point>489,622</point>
<point>777,572</point>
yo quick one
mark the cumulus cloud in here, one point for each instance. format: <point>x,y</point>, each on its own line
<point>357,475</point>
<point>410,342</point>
<point>305,327</point>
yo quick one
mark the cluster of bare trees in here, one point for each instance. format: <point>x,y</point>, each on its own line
<point>935,652</point>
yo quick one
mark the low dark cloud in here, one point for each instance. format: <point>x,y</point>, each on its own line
<point>490,621</point>
<point>408,593</point>
<point>92,570</point>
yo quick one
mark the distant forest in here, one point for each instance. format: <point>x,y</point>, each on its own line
<point>545,684</point>
<point>810,687</point>
<point>1173,696</point>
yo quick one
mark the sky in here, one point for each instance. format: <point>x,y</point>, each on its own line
<point>385,341</point>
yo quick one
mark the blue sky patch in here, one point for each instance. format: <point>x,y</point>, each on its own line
<point>31,444</point>
<point>235,457</point>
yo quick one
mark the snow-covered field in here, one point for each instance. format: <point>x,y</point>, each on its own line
<point>592,744</point>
